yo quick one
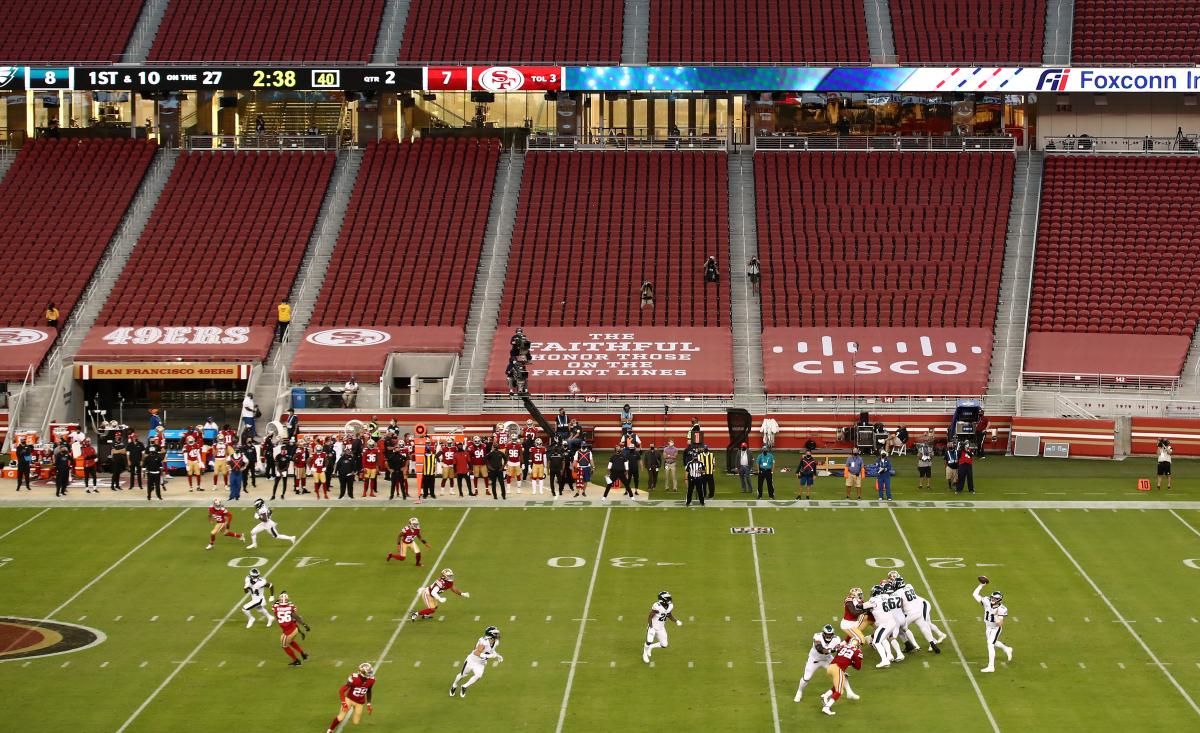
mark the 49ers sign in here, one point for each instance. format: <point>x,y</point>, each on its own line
<point>876,361</point>
<point>335,352</point>
<point>21,348</point>
<point>140,343</point>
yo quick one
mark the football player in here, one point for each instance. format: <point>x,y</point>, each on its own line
<point>656,625</point>
<point>994,614</point>
<point>513,451</point>
<point>409,536</point>
<point>354,694</point>
<point>432,595</point>
<point>446,457</point>
<point>847,655</point>
<point>916,612</point>
<point>820,656</point>
<point>318,464</point>
<point>895,592</point>
<point>221,453</point>
<point>879,604</point>
<point>257,587</point>
<point>537,466</point>
<point>476,662</point>
<point>289,622</point>
<point>300,458</point>
<point>855,618</point>
<point>479,472</point>
<point>262,513</point>
<point>193,458</point>
<point>222,520</point>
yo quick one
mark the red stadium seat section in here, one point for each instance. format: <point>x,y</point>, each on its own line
<point>268,30</point>
<point>1114,281</point>
<point>221,250</point>
<point>883,258</point>
<point>60,204</point>
<point>402,274</point>
<point>1136,32</point>
<point>758,31</point>
<point>67,30</point>
<point>974,32</point>
<point>501,31</point>
<point>591,228</point>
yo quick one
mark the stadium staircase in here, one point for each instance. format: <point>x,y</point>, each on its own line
<point>391,32</point>
<point>145,31</point>
<point>746,317</point>
<point>635,41</point>
<point>880,38</point>
<point>1060,24</point>
<point>1008,348</point>
<point>467,391</point>
<point>52,387</point>
<point>1189,380</point>
<point>284,115</point>
<point>268,381</point>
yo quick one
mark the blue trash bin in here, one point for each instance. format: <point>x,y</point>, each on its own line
<point>299,398</point>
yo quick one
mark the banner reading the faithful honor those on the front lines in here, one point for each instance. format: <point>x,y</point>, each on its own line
<point>620,360</point>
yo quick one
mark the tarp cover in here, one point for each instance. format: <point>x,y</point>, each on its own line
<point>186,343</point>
<point>21,348</point>
<point>876,361</point>
<point>1105,353</point>
<point>334,353</point>
<point>620,360</point>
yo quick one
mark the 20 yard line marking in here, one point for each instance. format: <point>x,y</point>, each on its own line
<point>22,524</point>
<point>1116,613</point>
<point>587,605</point>
<point>762,616</point>
<point>949,632</point>
<point>216,627</point>
<point>387,648</point>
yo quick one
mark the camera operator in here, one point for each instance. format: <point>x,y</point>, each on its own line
<point>1164,462</point>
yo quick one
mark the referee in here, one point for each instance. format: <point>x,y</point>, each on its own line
<point>709,462</point>
<point>695,478</point>
<point>429,473</point>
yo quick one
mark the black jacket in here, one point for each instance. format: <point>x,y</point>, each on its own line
<point>496,460</point>
<point>153,462</point>
<point>345,465</point>
<point>136,449</point>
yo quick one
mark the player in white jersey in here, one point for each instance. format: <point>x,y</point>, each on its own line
<point>916,612</point>
<point>994,615</point>
<point>257,587</point>
<point>886,631</point>
<point>894,592</point>
<point>820,656</point>
<point>656,625</point>
<point>262,513</point>
<point>476,662</point>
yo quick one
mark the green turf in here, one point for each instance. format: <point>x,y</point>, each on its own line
<point>530,570</point>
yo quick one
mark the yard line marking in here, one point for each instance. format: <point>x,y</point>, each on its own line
<point>1173,513</point>
<point>84,616</point>
<point>1117,613</point>
<point>216,627</point>
<point>949,632</point>
<point>428,579</point>
<point>587,606</point>
<point>22,524</point>
<point>762,617</point>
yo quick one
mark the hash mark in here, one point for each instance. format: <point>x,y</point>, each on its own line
<point>333,618</point>
<point>370,618</point>
<point>476,618</point>
<point>84,616</point>
<point>416,664</point>
<point>548,619</point>
<point>222,664</point>
<point>533,664</point>
<point>726,618</point>
<point>925,663</point>
<point>1082,665</point>
<point>189,618</point>
<point>1044,666</point>
<point>729,665</point>
<point>1156,618</point>
<point>1121,665</point>
<point>441,618</point>
<point>338,663</point>
<point>651,662</point>
<point>1087,620</point>
<point>143,664</point>
<point>691,664</point>
<point>66,664</point>
<point>612,665</point>
<point>103,665</point>
<point>1050,619</point>
<point>620,618</point>
<point>154,618</point>
<point>118,618</point>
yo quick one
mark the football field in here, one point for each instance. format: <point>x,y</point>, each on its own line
<point>1103,621</point>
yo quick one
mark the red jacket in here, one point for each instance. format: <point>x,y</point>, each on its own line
<point>89,456</point>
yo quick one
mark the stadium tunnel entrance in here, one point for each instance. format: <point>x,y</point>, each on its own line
<point>183,394</point>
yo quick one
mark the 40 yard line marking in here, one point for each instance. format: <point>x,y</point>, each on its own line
<point>216,627</point>
<point>1117,613</point>
<point>762,615</point>
<point>22,524</point>
<point>945,622</point>
<point>587,605</point>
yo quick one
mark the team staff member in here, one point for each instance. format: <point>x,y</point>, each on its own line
<point>136,451</point>
<point>670,456</point>
<point>854,473</point>
<point>345,470</point>
<point>25,463</point>
<point>766,471</point>
<point>118,458</point>
<point>951,458</point>
<point>695,478</point>
<point>153,464</point>
<point>285,319</point>
<point>496,461</point>
<point>397,461</point>
<point>554,461</point>
<point>62,469</point>
<point>1164,463</point>
<point>462,471</point>
<point>966,469</point>
<point>807,471</point>
<point>709,462</point>
<point>653,462</point>
<point>88,452</point>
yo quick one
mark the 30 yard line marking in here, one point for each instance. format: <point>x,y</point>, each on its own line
<point>22,524</point>
<point>1175,514</point>
<point>587,605</point>
<point>1150,653</point>
<point>216,627</point>
<point>949,632</point>
<point>762,616</point>
<point>387,648</point>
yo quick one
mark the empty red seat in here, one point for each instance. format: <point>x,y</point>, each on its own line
<point>1136,32</point>
<point>970,33</point>
<point>67,30</point>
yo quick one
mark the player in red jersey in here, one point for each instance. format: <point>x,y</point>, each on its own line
<point>432,595</point>
<point>446,456</point>
<point>530,432</point>
<point>193,460</point>
<point>222,520</point>
<point>846,655</point>
<point>227,435</point>
<point>409,536</point>
<point>318,464</point>
<point>221,453</point>
<point>478,452</point>
<point>289,625</point>
<point>371,461</point>
<point>300,466</point>
<point>513,453</point>
<point>855,618</point>
<point>537,466</point>
<point>354,694</point>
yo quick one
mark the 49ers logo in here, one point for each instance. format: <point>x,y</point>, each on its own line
<point>21,336</point>
<point>348,337</point>
<point>22,638</point>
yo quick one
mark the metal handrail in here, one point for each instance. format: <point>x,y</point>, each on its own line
<point>874,143</point>
<point>15,405</point>
<point>626,143</point>
<point>266,141</point>
<point>1099,381</point>
<point>1175,145</point>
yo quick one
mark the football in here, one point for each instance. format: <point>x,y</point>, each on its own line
<point>983,579</point>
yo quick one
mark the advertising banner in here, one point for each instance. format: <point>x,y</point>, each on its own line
<point>876,361</point>
<point>21,348</point>
<point>164,343</point>
<point>620,360</point>
<point>330,353</point>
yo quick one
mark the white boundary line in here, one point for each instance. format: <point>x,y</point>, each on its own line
<point>945,623</point>
<point>1186,523</point>
<point>762,615</point>
<point>22,524</point>
<point>179,666</point>
<point>428,578</point>
<point>1153,657</point>
<point>587,604</point>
